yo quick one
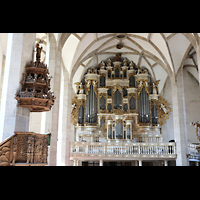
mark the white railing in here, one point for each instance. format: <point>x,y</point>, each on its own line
<point>87,149</point>
<point>192,151</point>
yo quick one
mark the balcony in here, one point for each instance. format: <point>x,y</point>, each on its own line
<point>112,150</point>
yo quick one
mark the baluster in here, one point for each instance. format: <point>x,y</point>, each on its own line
<point>99,149</point>
<point>130,150</point>
<point>156,147</point>
<point>166,148</point>
<point>172,149</point>
<point>91,149</point>
<point>154,150</point>
<point>149,151</point>
<point>113,150</point>
<point>95,150</point>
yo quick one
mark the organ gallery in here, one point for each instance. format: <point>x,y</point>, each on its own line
<point>116,101</point>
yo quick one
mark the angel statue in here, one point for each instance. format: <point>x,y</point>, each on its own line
<point>155,87</point>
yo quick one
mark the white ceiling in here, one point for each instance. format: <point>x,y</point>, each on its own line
<point>162,53</point>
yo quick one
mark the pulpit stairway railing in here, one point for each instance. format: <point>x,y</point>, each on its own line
<point>24,148</point>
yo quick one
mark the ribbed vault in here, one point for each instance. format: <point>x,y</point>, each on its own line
<point>162,53</point>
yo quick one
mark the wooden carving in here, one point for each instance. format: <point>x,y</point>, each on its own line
<point>24,148</point>
<point>35,93</point>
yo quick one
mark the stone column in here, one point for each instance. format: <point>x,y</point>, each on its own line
<point>140,162</point>
<point>65,129</point>
<point>20,47</point>
<point>179,120</point>
<point>52,117</point>
<point>69,93</point>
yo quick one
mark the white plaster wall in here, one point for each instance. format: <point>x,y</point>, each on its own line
<point>192,102</point>
<point>168,128</point>
<point>35,122</point>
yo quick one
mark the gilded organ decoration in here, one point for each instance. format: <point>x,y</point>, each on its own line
<point>164,110</point>
<point>197,126</point>
<point>119,102</point>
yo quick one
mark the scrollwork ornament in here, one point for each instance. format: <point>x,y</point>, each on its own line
<point>142,83</point>
<point>164,110</point>
<point>74,114</point>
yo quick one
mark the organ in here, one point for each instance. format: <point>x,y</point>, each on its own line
<point>118,101</point>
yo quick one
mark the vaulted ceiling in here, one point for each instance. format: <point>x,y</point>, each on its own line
<point>162,53</point>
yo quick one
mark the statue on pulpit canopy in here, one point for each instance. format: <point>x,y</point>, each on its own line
<point>38,54</point>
